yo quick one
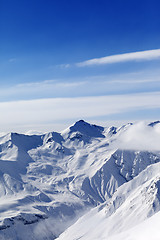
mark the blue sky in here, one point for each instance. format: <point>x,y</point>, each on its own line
<point>80,53</point>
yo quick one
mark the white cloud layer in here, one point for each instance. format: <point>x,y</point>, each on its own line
<point>140,137</point>
<point>126,57</point>
<point>46,111</point>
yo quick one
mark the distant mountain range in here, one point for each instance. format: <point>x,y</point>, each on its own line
<point>87,182</point>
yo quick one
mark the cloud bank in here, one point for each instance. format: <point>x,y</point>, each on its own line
<point>126,57</point>
<point>140,137</point>
<point>46,111</point>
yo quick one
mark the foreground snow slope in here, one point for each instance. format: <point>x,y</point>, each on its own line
<point>130,205</point>
<point>48,181</point>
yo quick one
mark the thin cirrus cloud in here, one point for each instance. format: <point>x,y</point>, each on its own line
<point>84,86</point>
<point>33,113</point>
<point>126,57</point>
<point>11,60</point>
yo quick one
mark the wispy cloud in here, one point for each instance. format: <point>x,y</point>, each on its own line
<point>11,60</point>
<point>126,57</point>
<point>67,65</point>
<point>83,86</point>
<point>43,89</point>
<point>46,111</point>
<point>61,66</point>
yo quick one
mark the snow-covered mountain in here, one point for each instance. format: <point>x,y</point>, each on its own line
<point>87,182</point>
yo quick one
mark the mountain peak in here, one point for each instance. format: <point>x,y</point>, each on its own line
<point>81,123</point>
<point>152,124</point>
<point>85,128</point>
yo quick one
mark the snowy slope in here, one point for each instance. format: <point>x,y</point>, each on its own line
<point>48,181</point>
<point>132,204</point>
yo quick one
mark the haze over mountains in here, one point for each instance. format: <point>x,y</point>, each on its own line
<point>87,182</point>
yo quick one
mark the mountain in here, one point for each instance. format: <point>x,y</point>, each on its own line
<point>120,216</point>
<point>87,182</point>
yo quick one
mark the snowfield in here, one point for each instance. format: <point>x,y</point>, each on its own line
<point>87,182</point>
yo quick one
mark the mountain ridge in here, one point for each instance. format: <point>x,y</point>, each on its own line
<point>55,177</point>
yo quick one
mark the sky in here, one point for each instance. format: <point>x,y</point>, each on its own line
<point>61,61</point>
